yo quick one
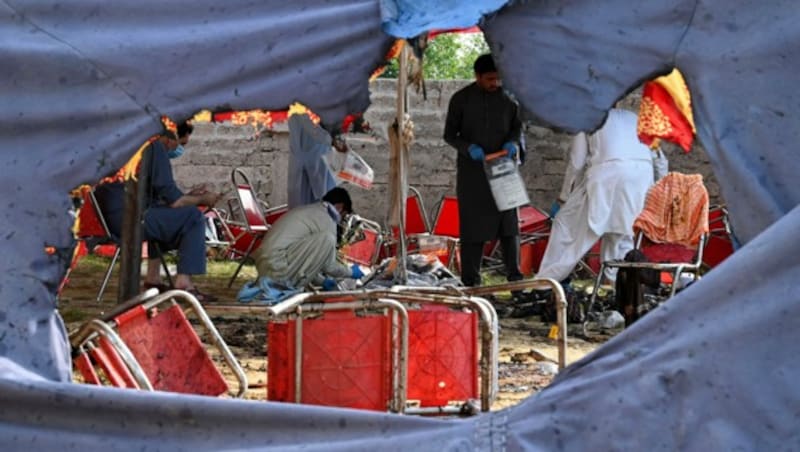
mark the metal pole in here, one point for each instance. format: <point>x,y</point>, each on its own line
<point>298,356</point>
<point>131,240</point>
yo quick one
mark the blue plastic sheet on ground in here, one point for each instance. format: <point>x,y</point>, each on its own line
<point>264,291</point>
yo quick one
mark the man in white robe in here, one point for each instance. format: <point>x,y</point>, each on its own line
<point>605,185</point>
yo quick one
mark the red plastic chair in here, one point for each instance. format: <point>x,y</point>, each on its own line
<point>443,357</point>
<point>367,250</point>
<point>148,343</point>
<point>447,220</point>
<point>533,221</point>
<point>423,358</point>
<point>273,214</point>
<point>89,227</point>
<point>684,254</point>
<point>446,225</point>
<point>416,215</point>
<point>417,225</point>
<point>92,227</point>
<point>720,244</point>
<point>346,359</point>
<point>534,230</point>
<point>255,224</point>
<point>416,220</point>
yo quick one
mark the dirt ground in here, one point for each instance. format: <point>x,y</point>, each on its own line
<point>525,350</point>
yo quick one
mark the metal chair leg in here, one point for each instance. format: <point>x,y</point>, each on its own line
<point>108,275</point>
<point>166,271</point>
<point>163,264</point>
<point>241,263</point>
<point>593,298</point>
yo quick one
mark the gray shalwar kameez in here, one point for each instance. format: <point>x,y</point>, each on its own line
<point>300,247</point>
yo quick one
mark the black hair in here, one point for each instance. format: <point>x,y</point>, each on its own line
<point>339,195</point>
<point>484,64</point>
<point>185,129</point>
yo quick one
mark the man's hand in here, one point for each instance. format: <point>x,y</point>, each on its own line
<point>357,273</point>
<point>209,198</point>
<point>476,152</point>
<point>554,208</point>
<point>198,189</point>
<point>329,284</point>
<point>511,148</point>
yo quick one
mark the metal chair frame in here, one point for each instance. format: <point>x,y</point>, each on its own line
<point>373,227</point>
<point>676,268</point>
<point>109,238</point>
<point>87,336</point>
<point>400,300</point>
<point>254,220</point>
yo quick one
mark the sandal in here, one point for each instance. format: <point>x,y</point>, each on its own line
<point>202,297</point>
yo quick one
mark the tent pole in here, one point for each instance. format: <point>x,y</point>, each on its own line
<point>402,160</point>
<point>132,236</point>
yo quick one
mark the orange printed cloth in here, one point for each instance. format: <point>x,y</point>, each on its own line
<point>675,210</point>
<point>666,112</point>
<point>130,169</point>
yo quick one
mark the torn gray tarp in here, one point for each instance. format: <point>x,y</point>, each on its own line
<point>568,61</point>
<point>714,368</point>
<point>83,84</point>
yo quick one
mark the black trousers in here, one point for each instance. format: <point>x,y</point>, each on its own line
<point>472,253</point>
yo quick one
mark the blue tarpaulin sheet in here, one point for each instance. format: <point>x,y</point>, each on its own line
<point>83,83</point>
<point>410,18</point>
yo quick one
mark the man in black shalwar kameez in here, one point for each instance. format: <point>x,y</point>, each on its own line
<point>482,119</point>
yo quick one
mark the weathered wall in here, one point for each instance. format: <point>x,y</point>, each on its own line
<point>216,149</point>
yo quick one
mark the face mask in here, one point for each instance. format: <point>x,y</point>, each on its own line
<point>175,153</point>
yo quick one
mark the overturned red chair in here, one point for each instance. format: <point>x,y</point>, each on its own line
<point>384,350</point>
<point>337,353</point>
<point>148,343</point>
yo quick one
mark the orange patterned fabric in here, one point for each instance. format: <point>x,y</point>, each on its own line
<point>666,112</point>
<point>131,168</point>
<point>393,52</point>
<point>169,124</point>
<point>675,211</point>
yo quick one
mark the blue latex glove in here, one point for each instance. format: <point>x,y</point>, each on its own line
<point>329,284</point>
<point>357,273</point>
<point>554,208</point>
<point>511,148</point>
<point>476,152</point>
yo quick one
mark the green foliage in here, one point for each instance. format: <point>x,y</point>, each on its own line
<point>448,56</point>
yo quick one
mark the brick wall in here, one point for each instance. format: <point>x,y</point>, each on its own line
<point>216,149</point>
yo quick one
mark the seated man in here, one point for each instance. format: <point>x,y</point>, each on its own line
<point>170,218</point>
<point>300,248</point>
